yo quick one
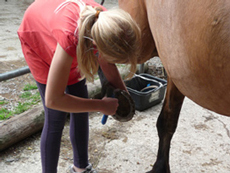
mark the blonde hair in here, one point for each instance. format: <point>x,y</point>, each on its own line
<point>115,34</point>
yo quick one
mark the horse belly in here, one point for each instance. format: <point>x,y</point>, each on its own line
<point>195,51</point>
<point>211,91</point>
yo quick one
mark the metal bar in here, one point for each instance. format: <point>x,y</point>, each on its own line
<point>14,73</point>
<point>142,68</point>
<point>102,2</point>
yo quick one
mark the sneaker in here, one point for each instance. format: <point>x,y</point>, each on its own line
<point>89,169</point>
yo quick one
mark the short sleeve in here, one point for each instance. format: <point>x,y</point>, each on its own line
<point>63,25</point>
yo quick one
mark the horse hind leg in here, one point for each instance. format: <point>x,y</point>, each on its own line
<point>166,126</point>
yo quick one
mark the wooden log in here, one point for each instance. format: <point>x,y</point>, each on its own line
<point>21,127</point>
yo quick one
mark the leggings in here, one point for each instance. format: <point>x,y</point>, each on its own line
<point>53,127</point>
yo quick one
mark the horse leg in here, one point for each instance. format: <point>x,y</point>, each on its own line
<point>166,126</point>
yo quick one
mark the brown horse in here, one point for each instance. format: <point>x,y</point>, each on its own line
<point>192,39</point>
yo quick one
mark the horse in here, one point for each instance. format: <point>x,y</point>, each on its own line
<point>192,39</point>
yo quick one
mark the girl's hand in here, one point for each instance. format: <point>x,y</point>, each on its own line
<point>110,105</point>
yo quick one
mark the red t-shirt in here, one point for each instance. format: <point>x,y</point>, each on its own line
<point>42,28</point>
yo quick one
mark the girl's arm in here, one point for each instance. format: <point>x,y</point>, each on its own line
<point>111,73</point>
<point>56,98</point>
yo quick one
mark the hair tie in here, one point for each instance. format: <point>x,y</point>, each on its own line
<point>97,14</point>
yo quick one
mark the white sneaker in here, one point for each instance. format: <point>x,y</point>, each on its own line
<point>88,169</point>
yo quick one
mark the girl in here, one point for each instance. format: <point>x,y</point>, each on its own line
<point>59,40</point>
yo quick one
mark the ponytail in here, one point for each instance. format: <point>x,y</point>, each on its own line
<point>116,35</point>
<point>87,61</point>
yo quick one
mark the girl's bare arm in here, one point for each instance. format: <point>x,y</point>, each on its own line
<point>56,98</point>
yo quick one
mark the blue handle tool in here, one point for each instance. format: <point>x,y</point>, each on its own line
<point>105,117</point>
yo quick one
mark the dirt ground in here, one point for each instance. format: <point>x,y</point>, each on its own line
<point>201,144</point>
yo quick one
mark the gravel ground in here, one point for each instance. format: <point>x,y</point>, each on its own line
<point>200,144</point>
